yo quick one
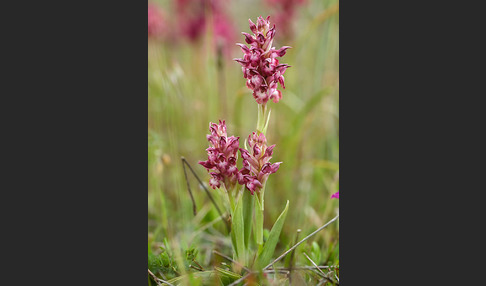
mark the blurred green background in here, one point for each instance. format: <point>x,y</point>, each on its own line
<point>192,82</point>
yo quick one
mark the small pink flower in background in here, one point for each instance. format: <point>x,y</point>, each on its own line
<point>256,164</point>
<point>284,12</point>
<point>260,65</point>
<point>195,16</point>
<point>224,31</point>
<point>156,23</point>
<point>191,18</point>
<point>335,195</point>
<point>222,156</point>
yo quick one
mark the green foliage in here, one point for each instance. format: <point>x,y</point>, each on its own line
<point>167,264</point>
<point>315,253</point>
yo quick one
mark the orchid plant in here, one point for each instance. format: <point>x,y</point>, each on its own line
<point>244,188</point>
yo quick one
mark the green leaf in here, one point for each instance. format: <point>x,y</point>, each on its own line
<point>316,252</point>
<point>247,215</point>
<point>238,229</point>
<point>233,239</point>
<point>269,247</point>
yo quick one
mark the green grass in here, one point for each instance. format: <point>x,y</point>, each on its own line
<point>185,93</point>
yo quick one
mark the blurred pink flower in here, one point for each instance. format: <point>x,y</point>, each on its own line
<point>222,156</point>
<point>259,64</point>
<point>256,164</point>
<point>191,20</point>
<point>194,16</point>
<point>335,195</point>
<point>156,23</point>
<point>284,12</point>
<point>224,31</point>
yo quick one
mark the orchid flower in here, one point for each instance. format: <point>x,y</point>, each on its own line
<point>256,164</point>
<point>260,65</point>
<point>222,156</point>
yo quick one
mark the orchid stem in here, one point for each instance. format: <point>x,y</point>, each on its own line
<point>261,118</point>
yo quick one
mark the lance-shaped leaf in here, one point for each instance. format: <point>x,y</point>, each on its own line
<point>247,215</point>
<point>269,247</point>
<point>238,230</point>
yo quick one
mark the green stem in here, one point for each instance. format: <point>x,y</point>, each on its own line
<point>262,195</point>
<point>262,122</point>
<point>261,118</point>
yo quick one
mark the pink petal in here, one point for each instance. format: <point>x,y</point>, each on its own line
<point>253,27</point>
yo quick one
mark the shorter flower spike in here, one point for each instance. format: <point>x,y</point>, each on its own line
<point>222,156</point>
<point>256,163</point>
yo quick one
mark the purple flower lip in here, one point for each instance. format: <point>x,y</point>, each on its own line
<point>335,195</point>
<point>260,65</point>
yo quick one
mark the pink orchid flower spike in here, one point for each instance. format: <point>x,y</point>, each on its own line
<point>260,65</point>
<point>222,157</point>
<point>256,163</point>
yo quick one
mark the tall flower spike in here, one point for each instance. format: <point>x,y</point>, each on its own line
<point>222,156</point>
<point>259,63</point>
<point>256,163</point>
